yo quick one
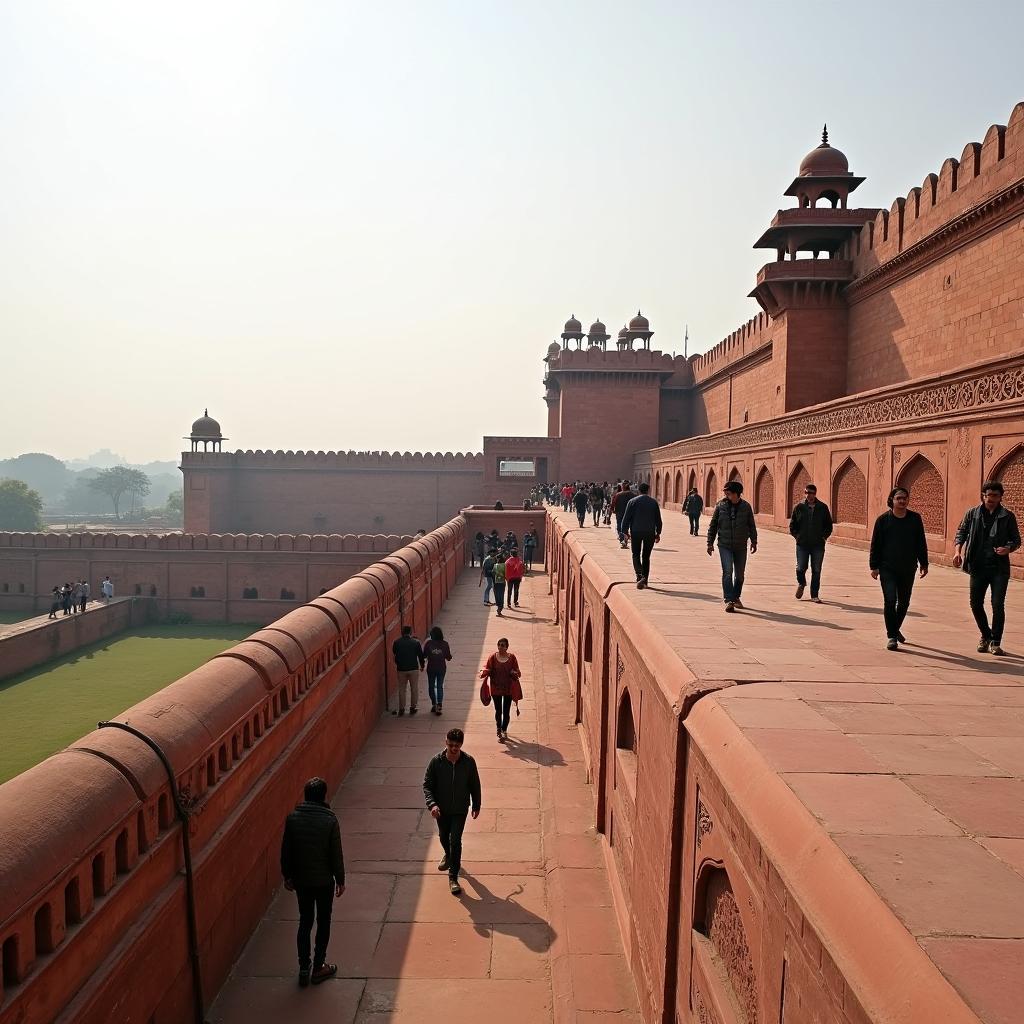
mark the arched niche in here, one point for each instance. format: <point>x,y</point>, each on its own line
<point>850,495</point>
<point>927,493</point>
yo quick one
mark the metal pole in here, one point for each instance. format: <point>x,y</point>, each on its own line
<point>190,895</point>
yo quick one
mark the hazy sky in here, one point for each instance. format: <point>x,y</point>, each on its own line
<point>345,225</point>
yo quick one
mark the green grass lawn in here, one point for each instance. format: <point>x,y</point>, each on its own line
<point>47,708</point>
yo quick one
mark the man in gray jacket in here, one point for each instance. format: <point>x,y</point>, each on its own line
<point>733,524</point>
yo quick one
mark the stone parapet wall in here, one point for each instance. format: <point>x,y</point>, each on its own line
<point>92,905</point>
<point>24,646</point>
<point>733,903</point>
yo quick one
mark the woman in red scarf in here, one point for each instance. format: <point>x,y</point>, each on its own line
<point>502,674</point>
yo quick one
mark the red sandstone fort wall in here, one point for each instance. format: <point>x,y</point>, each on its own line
<point>206,576</point>
<point>92,909</point>
<point>326,492</point>
<point>731,903</point>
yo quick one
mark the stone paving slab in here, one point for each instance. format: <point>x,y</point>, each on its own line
<point>911,761</point>
<point>407,950</point>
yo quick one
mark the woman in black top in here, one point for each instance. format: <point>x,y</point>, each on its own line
<point>898,548</point>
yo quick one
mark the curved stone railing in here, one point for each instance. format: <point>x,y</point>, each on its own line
<point>93,924</point>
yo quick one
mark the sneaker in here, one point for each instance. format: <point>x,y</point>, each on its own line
<point>399,712</point>
<point>891,644</point>
<point>983,646</point>
<point>500,737</point>
<point>438,709</point>
<point>730,606</point>
<point>994,648</point>
<point>799,591</point>
<point>412,711</point>
<point>622,544</point>
<point>442,864</point>
<point>816,600</point>
<point>433,709</point>
<point>504,735</point>
<point>303,977</point>
<point>500,616</point>
<point>738,603</point>
<point>455,887</point>
<point>323,973</point>
<point>901,638</point>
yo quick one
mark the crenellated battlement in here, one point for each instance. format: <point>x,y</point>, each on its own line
<point>332,460</point>
<point>618,361</point>
<point>748,338</point>
<point>983,171</point>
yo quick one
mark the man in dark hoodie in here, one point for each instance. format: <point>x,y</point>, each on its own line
<point>450,784</point>
<point>313,867</point>
<point>987,535</point>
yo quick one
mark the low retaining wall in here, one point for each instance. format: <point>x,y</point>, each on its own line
<point>25,645</point>
<point>93,925</point>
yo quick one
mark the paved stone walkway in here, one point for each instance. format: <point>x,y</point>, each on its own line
<point>533,938</point>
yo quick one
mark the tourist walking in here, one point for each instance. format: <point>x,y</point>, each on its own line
<point>733,524</point>
<point>84,595</point>
<point>66,597</point>
<point>409,661</point>
<point>596,502</point>
<point>107,589</point>
<point>477,551</point>
<point>313,867</point>
<point>898,549</point>
<point>56,601</point>
<point>567,492</point>
<point>529,545</point>
<point>641,522</point>
<point>437,654</point>
<point>487,576</point>
<point>501,672</point>
<point>580,500</point>
<point>451,785</point>
<point>810,525</point>
<point>499,582</point>
<point>984,540</point>
<point>619,502</point>
<point>515,569</point>
<point>692,508</point>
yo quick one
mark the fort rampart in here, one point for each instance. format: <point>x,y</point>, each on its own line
<point>326,492</point>
<point>732,903</point>
<point>93,910</point>
<point>209,577</point>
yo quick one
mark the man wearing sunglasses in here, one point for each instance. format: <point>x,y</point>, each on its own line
<point>811,526</point>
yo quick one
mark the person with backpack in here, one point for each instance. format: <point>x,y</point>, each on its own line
<point>693,505</point>
<point>313,867</point>
<point>984,541</point>
<point>437,654</point>
<point>487,574</point>
<point>529,545</point>
<point>580,500</point>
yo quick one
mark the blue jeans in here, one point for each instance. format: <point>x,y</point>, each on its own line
<point>733,565</point>
<point>815,556</point>
<point>488,587</point>
<point>435,687</point>
<point>618,526</point>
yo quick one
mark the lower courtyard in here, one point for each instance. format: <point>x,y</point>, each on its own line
<point>534,926</point>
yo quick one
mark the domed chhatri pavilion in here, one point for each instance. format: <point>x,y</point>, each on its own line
<point>206,432</point>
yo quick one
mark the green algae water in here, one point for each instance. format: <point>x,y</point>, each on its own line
<point>46,708</point>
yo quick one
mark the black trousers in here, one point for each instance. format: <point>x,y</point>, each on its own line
<point>502,712</point>
<point>694,518</point>
<point>314,899</point>
<point>998,579</point>
<point>642,545</point>
<point>897,586</point>
<point>513,591</point>
<point>581,514</point>
<point>450,828</point>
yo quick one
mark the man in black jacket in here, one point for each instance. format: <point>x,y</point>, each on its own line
<point>409,661</point>
<point>642,524</point>
<point>898,547</point>
<point>450,783</point>
<point>811,526</point>
<point>987,535</point>
<point>620,500</point>
<point>692,508</point>
<point>733,524</point>
<point>313,867</point>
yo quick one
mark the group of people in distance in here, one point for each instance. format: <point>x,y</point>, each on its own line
<point>73,597</point>
<point>501,567</point>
